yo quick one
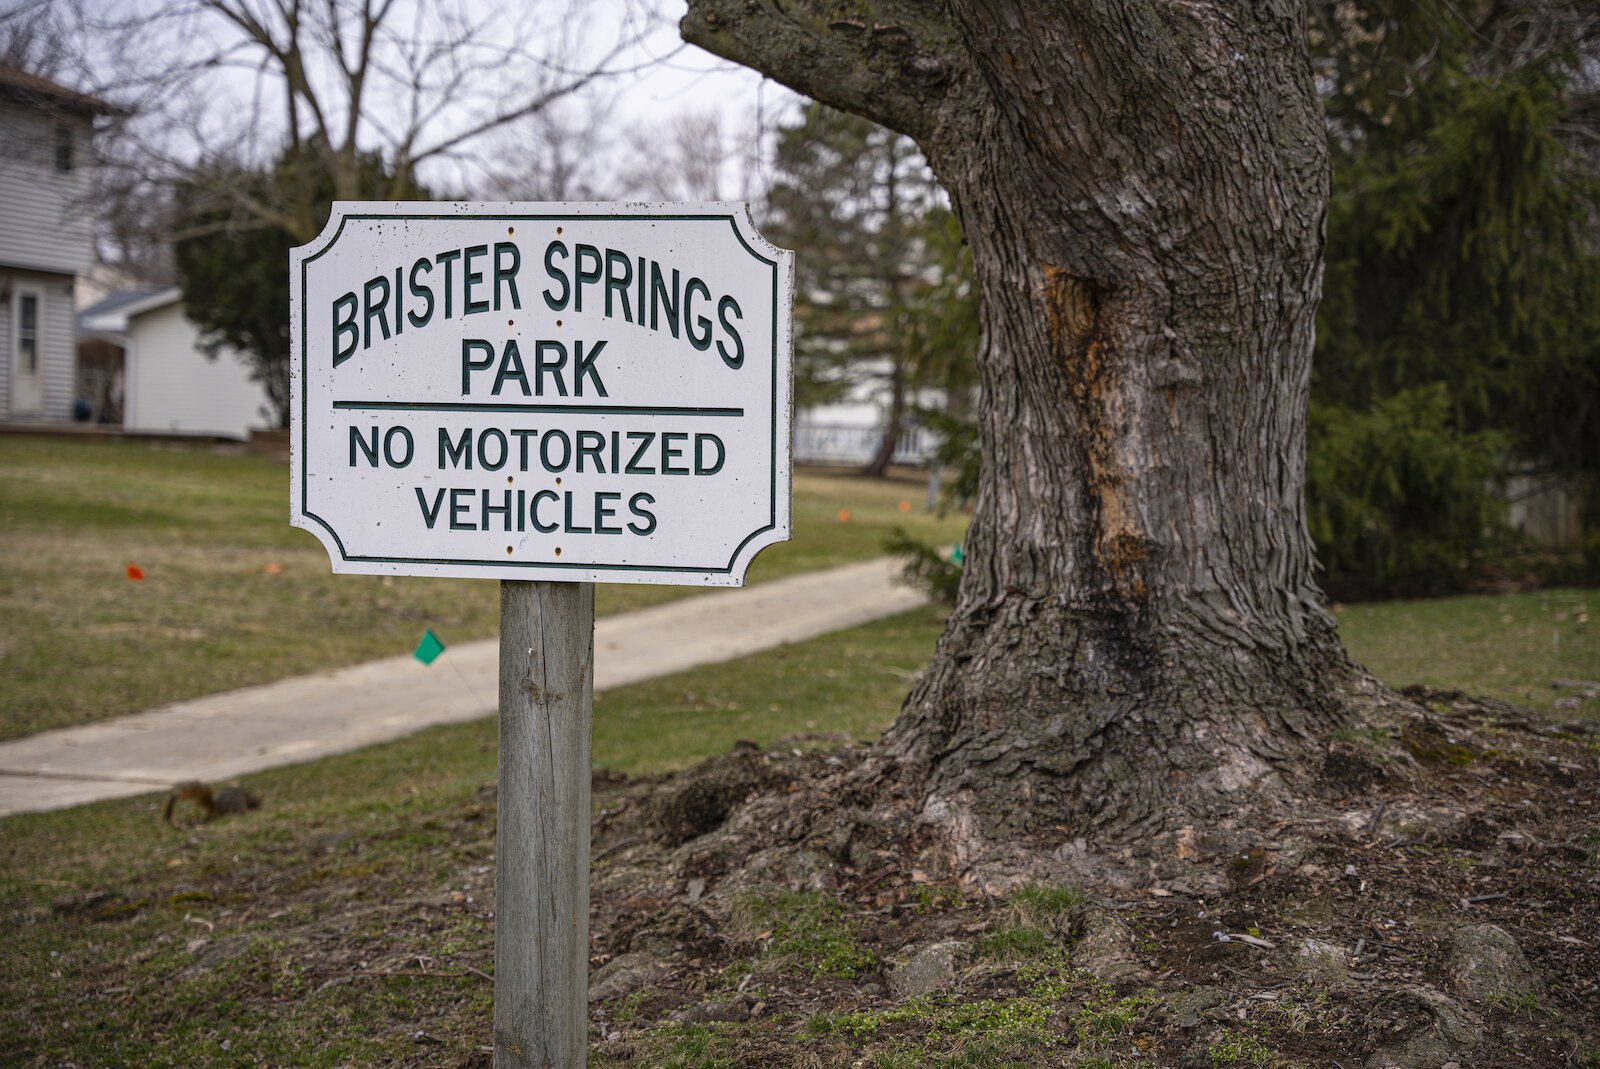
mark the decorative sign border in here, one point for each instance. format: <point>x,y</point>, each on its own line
<point>780,264</point>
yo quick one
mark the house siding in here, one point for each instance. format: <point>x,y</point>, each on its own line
<point>172,387</point>
<point>46,218</point>
<point>57,344</point>
<point>46,237</point>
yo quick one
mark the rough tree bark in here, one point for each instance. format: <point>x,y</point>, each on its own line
<point>1139,642</point>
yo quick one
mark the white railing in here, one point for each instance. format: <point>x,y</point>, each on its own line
<point>841,443</point>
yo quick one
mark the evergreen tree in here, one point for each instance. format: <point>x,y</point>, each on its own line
<point>884,291</point>
<point>1461,242</point>
<point>235,230</point>
<point>942,313</point>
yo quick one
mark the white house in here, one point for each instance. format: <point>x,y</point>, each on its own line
<point>169,384</point>
<point>46,238</point>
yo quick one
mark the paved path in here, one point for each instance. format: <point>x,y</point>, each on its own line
<point>227,735</point>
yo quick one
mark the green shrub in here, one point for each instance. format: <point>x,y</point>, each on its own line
<point>1397,499</point>
<point>925,567</point>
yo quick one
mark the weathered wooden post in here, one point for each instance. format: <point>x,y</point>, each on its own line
<point>541,933</point>
<point>552,395</point>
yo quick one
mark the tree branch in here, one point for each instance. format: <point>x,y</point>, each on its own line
<point>501,118</point>
<point>288,55</point>
<point>900,63</point>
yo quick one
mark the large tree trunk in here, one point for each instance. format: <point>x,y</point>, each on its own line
<point>1139,641</point>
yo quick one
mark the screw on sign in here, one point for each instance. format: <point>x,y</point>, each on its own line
<point>551,395</point>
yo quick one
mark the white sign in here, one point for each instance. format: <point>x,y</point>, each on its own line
<point>577,392</point>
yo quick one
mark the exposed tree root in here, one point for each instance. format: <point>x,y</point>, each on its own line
<point>1381,912</point>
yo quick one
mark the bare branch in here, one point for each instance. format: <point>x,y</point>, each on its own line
<point>500,118</point>
<point>34,38</point>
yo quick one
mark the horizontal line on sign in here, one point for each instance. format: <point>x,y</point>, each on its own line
<point>591,410</point>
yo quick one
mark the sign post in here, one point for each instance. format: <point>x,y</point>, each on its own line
<point>551,395</point>
<point>541,904</point>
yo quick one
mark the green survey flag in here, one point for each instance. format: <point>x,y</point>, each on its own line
<point>429,648</point>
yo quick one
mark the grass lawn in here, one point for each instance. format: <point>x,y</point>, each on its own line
<point>1507,646</point>
<point>342,924</point>
<point>377,849</point>
<point>233,595</point>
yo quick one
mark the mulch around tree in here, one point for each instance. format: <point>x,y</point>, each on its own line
<point>1438,910</point>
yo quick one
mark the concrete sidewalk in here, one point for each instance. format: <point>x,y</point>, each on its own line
<point>227,735</point>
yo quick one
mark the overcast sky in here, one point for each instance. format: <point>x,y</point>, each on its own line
<point>685,76</point>
<point>635,118</point>
<point>675,81</point>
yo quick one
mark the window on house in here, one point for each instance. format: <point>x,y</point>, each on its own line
<point>28,333</point>
<point>63,147</point>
